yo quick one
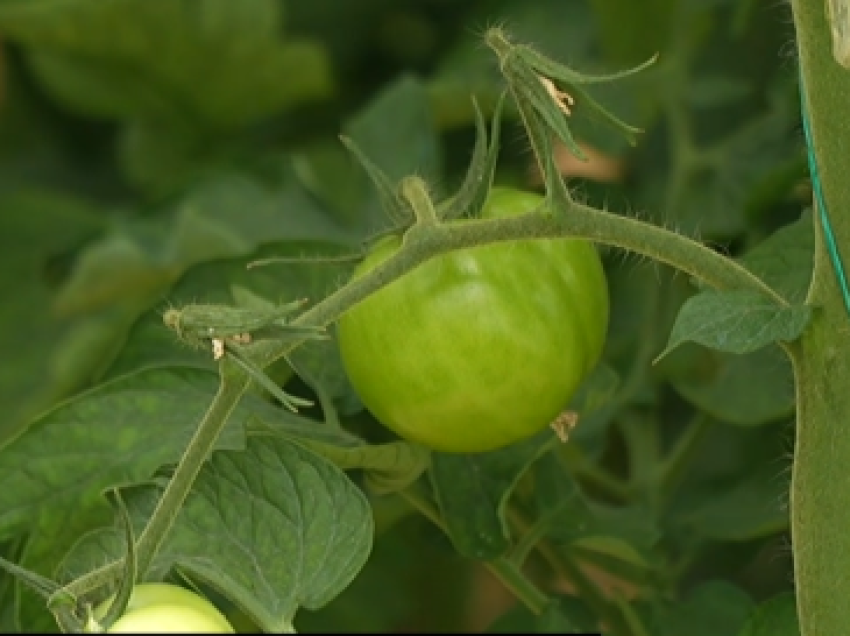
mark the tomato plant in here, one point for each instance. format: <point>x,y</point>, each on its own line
<point>163,607</point>
<point>479,348</point>
<point>173,410</point>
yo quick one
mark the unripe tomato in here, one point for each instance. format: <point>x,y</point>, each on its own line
<point>482,347</point>
<point>162,608</point>
<point>169,619</point>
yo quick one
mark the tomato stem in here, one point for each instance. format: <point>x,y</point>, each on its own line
<point>505,570</point>
<point>233,384</point>
<point>579,221</point>
<point>679,459</point>
<point>415,191</point>
<point>567,567</point>
<point>820,491</point>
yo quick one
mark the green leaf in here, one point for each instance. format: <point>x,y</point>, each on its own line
<point>565,615</point>
<point>412,148</point>
<point>329,173</point>
<point>473,491</point>
<point>713,91</point>
<point>134,59</point>
<point>752,508</point>
<point>310,530</point>
<point>723,385</point>
<point>103,438</point>
<point>736,322</point>
<point>40,231</point>
<point>228,217</point>
<point>160,157</point>
<point>726,178</point>
<point>594,402</point>
<point>287,528</point>
<point>713,608</point>
<point>776,617</point>
<point>784,260</point>
<point>45,544</point>
<point>570,516</point>
<point>558,499</point>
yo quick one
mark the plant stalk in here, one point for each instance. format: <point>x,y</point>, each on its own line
<point>233,384</point>
<point>579,221</point>
<point>820,483</point>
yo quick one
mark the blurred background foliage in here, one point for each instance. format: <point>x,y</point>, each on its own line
<point>149,149</point>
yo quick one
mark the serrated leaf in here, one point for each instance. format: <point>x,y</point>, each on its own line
<point>103,438</point>
<point>736,322</point>
<point>287,528</point>
<point>784,260</point>
<point>776,617</point>
<point>133,59</point>
<point>310,532</point>
<point>473,490</point>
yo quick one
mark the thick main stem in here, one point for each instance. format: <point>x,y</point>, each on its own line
<point>820,486</point>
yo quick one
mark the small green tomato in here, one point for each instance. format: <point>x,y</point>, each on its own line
<point>478,348</point>
<point>162,608</point>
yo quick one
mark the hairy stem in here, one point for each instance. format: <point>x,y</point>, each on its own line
<point>233,384</point>
<point>578,221</point>
<point>820,487</point>
<point>426,242</point>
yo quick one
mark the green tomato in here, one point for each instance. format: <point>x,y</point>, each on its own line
<point>482,347</point>
<point>169,619</point>
<point>152,605</point>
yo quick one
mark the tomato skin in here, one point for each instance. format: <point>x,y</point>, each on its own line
<point>166,608</point>
<point>478,348</point>
<point>168,619</point>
